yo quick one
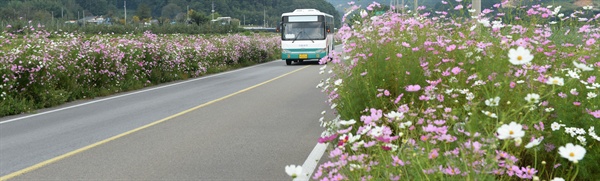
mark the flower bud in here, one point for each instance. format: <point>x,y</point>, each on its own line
<point>518,141</point>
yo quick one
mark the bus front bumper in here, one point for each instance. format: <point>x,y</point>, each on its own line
<point>302,55</point>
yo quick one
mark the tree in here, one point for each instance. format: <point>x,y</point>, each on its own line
<point>143,11</point>
<point>170,11</point>
<point>136,19</point>
<point>198,17</point>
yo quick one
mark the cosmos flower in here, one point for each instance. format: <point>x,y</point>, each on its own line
<point>519,56</point>
<point>534,142</point>
<point>293,170</point>
<point>413,88</point>
<point>583,67</point>
<point>492,102</point>
<point>556,81</point>
<point>571,152</point>
<point>532,98</point>
<point>512,131</point>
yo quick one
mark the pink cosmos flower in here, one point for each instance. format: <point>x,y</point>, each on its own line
<point>460,6</point>
<point>397,162</point>
<point>413,88</point>
<point>577,103</point>
<point>562,95</point>
<point>452,171</point>
<point>590,42</point>
<point>596,113</point>
<point>456,70</point>
<point>450,48</point>
<point>327,138</point>
<point>512,85</point>
<point>433,154</point>
<point>591,79</point>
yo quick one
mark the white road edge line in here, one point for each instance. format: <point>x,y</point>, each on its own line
<point>311,162</point>
<point>133,93</point>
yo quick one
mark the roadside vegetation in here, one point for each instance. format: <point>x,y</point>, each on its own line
<point>42,69</point>
<point>511,94</point>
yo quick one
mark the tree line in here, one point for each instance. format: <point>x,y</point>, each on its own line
<point>248,12</point>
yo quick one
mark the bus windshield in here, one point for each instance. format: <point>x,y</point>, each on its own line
<point>303,31</point>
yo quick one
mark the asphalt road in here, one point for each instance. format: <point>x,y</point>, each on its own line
<point>229,126</point>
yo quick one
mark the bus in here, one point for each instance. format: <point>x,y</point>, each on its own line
<point>305,34</point>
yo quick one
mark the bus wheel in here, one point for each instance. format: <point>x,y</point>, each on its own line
<point>288,62</point>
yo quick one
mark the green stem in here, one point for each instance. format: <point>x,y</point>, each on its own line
<point>576,171</point>
<point>535,158</point>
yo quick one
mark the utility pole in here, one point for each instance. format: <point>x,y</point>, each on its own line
<point>264,18</point>
<point>416,5</point>
<point>403,6</point>
<point>477,7</point>
<point>187,14</point>
<point>213,11</point>
<point>125,8</point>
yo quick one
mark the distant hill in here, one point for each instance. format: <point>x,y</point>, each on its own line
<point>249,12</point>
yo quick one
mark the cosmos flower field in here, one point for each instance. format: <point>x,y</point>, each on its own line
<point>436,96</point>
<point>41,69</point>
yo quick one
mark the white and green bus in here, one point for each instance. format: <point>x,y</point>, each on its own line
<point>306,34</point>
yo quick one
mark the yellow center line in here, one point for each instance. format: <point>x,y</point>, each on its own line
<point>66,155</point>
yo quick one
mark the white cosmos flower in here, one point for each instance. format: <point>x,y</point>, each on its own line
<point>558,179</point>
<point>470,96</point>
<point>534,142</point>
<point>555,126</point>
<point>583,67</point>
<point>485,22</point>
<point>571,152</point>
<point>338,82</point>
<point>532,98</point>
<point>395,116</point>
<point>497,25</point>
<point>490,114</point>
<point>556,10</point>
<point>405,124</point>
<point>376,131</point>
<point>512,131</point>
<point>353,138</point>
<point>346,123</point>
<point>472,27</point>
<point>293,170</point>
<point>556,81</point>
<point>363,13</point>
<point>492,101</point>
<point>581,139</point>
<point>519,56</point>
<point>591,95</point>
